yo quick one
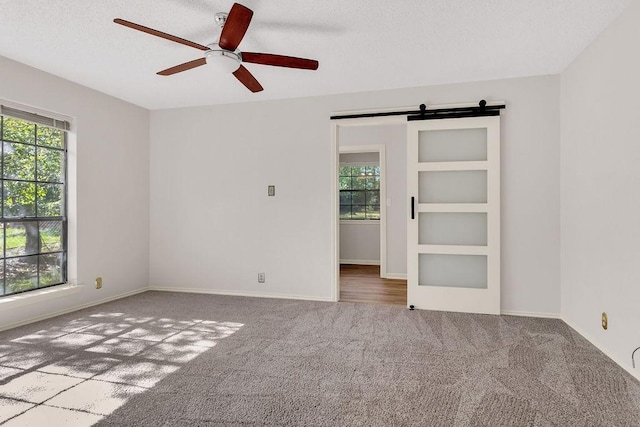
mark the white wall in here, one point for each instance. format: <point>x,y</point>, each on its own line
<point>359,243</point>
<point>109,147</point>
<point>600,188</point>
<point>214,228</point>
<point>394,138</point>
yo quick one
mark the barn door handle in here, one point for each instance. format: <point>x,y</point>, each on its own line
<point>413,208</point>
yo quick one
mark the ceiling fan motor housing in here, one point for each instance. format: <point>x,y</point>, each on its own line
<point>222,60</point>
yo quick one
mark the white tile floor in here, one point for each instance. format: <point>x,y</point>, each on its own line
<point>8,372</point>
<point>97,397</point>
<point>47,416</point>
<point>36,387</point>
<point>10,408</point>
<point>76,374</point>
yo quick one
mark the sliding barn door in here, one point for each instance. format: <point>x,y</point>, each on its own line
<point>454,215</point>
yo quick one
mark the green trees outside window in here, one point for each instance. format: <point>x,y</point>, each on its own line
<point>33,223</point>
<point>360,192</point>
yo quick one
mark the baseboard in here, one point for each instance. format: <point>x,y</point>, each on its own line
<point>239,294</point>
<point>70,310</point>
<point>530,314</point>
<point>358,262</point>
<point>617,361</point>
<point>396,276</point>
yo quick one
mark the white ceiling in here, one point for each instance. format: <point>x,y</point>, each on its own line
<point>361,44</point>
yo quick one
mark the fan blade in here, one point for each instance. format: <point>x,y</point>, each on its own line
<point>247,79</point>
<point>279,60</point>
<point>235,27</point>
<point>159,34</point>
<point>183,67</point>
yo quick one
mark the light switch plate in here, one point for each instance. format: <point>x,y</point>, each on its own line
<point>271,190</point>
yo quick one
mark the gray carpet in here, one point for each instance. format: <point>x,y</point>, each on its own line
<point>168,359</point>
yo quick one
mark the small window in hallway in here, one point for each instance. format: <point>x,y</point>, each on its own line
<point>359,192</point>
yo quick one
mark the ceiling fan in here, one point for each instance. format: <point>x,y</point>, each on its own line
<point>224,54</point>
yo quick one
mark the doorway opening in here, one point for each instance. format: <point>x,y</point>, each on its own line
<point>362,283</point>
<point>370,210</point>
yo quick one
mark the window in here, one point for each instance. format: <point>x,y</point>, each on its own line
<point>33,241</point>
<point>359,192</point>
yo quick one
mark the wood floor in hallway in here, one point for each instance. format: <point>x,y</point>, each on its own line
<point>362,283</point>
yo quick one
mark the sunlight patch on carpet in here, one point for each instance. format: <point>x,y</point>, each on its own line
<point>78,373</point>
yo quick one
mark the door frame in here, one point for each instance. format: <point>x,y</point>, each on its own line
<point>335,194</point>
<point>380,149</point>
<point>335,161</point>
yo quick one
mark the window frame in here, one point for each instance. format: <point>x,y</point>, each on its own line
<point>6,221</point>
<point>364,220</point>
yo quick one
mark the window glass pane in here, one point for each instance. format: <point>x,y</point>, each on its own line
<point>359,171</point>
<point>345,212</point>
<point>50,137</point>
<point>373,212</point>
<point>345,197</point>
<point>1,277</point>
<point>50,236</point>
<point>22,238</point>
<point>19,199</point>
<point>1,241</point>
<point>358,197</point>
<point>50,199</point>
<point>345,183</point>
<point>359,183</point>
<point>18,131</point>
<point>51,269</point>
<point>373,183</point>
<point>345,170</point>
<point>19,161</point>
<point>358,212</point>
<point>373,198</point>
<point>21,274</point>
<point>50,165</point>
<point>371,170</point>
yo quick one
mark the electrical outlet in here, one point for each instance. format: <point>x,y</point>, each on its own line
<point>261,278</point>
<point>271,190</point>
<point>605,321</point>
<point>98,282</point>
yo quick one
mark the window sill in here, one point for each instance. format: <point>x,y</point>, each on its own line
<point>41,295</point>
<point>359,221</point>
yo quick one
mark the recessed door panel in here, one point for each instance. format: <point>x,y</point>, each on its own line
<point>452,145</point>
<point>450,228</point>
<point>453,187</point>
<point>453,271</point>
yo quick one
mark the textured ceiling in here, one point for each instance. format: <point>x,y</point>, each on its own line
<point>361,44</point>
